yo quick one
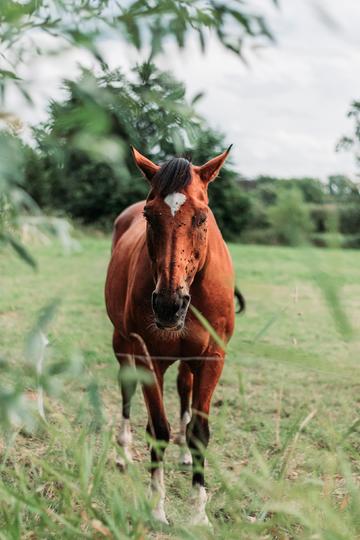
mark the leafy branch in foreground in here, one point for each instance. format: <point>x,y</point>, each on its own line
<point>140,22</point>
<point>352,142</point>
<point>82,165</point>
<point>48,27</point>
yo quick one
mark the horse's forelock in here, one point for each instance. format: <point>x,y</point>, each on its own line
<point>172,176</point>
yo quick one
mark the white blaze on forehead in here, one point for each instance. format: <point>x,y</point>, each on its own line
<point>175,200</point>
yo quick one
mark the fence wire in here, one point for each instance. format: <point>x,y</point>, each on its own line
<point>245,360</point>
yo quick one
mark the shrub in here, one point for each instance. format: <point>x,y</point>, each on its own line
<point>325,217</point>
<point>349,218</point>
<point>74,169</point>
<point>290,218</point>
<point>312,189</point>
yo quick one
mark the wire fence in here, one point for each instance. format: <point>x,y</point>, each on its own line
<point>244,361</point>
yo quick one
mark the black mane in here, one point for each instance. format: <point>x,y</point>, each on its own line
<point>172,176</point>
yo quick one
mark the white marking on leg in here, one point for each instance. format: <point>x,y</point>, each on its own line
<point>158,492</point>
<point>186,417</point>
<point>125,441</point>
<point>175,200</point>
<point>185,454</point>
<point>198,501</point>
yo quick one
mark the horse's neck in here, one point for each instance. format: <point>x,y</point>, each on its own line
<point>216,247</point>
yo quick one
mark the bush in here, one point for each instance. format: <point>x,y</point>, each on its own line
<point>70,174</point>
<point>349,218</point>
<point>268,187</point>
<point>325,217</point>
<point>351,241</point>
<point>266,237</point>
<point>290,218</point>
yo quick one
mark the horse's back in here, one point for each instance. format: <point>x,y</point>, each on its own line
<point>124,221</point>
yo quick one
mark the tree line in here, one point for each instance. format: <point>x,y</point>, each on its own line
<point>81,165</point>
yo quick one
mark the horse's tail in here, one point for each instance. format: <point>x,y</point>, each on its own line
<point>240,299</point>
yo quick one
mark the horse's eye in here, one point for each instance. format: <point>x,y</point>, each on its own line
<point>147,216</point>
<point>152,220</point>
<point>202,219</point>
<point>199,219</point>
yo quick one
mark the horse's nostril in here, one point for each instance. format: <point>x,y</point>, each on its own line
<point>169,308</point>
<point>153,300</point>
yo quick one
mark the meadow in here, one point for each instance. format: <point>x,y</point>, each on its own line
<point>283,460</point>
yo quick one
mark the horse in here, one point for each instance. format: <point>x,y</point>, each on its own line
<point>168,254</point>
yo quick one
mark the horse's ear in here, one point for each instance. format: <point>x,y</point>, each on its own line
<point>211,169</point>
<point>146,166</point>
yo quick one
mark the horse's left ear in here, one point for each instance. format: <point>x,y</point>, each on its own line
<point>211,169</point>
<point>146,166</point>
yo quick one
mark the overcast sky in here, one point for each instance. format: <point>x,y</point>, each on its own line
<point>286,110</point>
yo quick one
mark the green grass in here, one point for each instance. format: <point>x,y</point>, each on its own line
<point>283,460</point>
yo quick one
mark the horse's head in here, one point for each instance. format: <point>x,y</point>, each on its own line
<point>176,212</point>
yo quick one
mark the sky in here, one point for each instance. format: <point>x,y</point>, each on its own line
<point>284,110</point>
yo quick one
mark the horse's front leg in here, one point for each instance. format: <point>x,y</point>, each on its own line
<point>159,429</point>
<point>206,375</point>
<point>124,353</point>
<point>184,387</point>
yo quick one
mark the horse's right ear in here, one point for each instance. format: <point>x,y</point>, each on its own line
<point>146,166</point>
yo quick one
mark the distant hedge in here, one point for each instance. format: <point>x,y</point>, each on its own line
<point>347,217</point>
<point>79,169</point>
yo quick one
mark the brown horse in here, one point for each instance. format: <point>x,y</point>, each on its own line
<point>168,252</point>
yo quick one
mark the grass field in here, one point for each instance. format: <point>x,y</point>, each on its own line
<point>283,460</point>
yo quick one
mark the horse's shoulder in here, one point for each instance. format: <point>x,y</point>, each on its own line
<point>218,253</point>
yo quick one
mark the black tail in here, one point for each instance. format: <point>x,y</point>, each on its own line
<point>240,299</point>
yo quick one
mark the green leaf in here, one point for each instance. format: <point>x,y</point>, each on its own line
<point>205,323</point>
<point>23,253</point>
<point>6,74</point>
<point>197,97</point>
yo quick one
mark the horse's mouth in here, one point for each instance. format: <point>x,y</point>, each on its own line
<point>169,327</point>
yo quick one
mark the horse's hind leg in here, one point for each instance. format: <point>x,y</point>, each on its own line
<point>184,386</point>
<point>127,383</point>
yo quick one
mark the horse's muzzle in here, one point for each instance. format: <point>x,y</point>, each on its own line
<point>170,309</point>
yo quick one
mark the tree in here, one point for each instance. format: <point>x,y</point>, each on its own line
<point>47,27</point>
<point>290,218</point>
<point>352,142</point>
<point>93,185</point>
<point>28,27</point>
<point>342,189</point>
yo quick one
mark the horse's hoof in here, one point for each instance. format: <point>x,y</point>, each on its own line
<point>121,464</point>
<point>159,515</point>
<point>201,519</point>
<point>199,500</point>
<point>185,457</point>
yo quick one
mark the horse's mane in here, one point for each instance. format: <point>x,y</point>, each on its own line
<point>172,176</point>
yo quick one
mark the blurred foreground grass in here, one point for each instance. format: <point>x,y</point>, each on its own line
<point>284,454</point>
